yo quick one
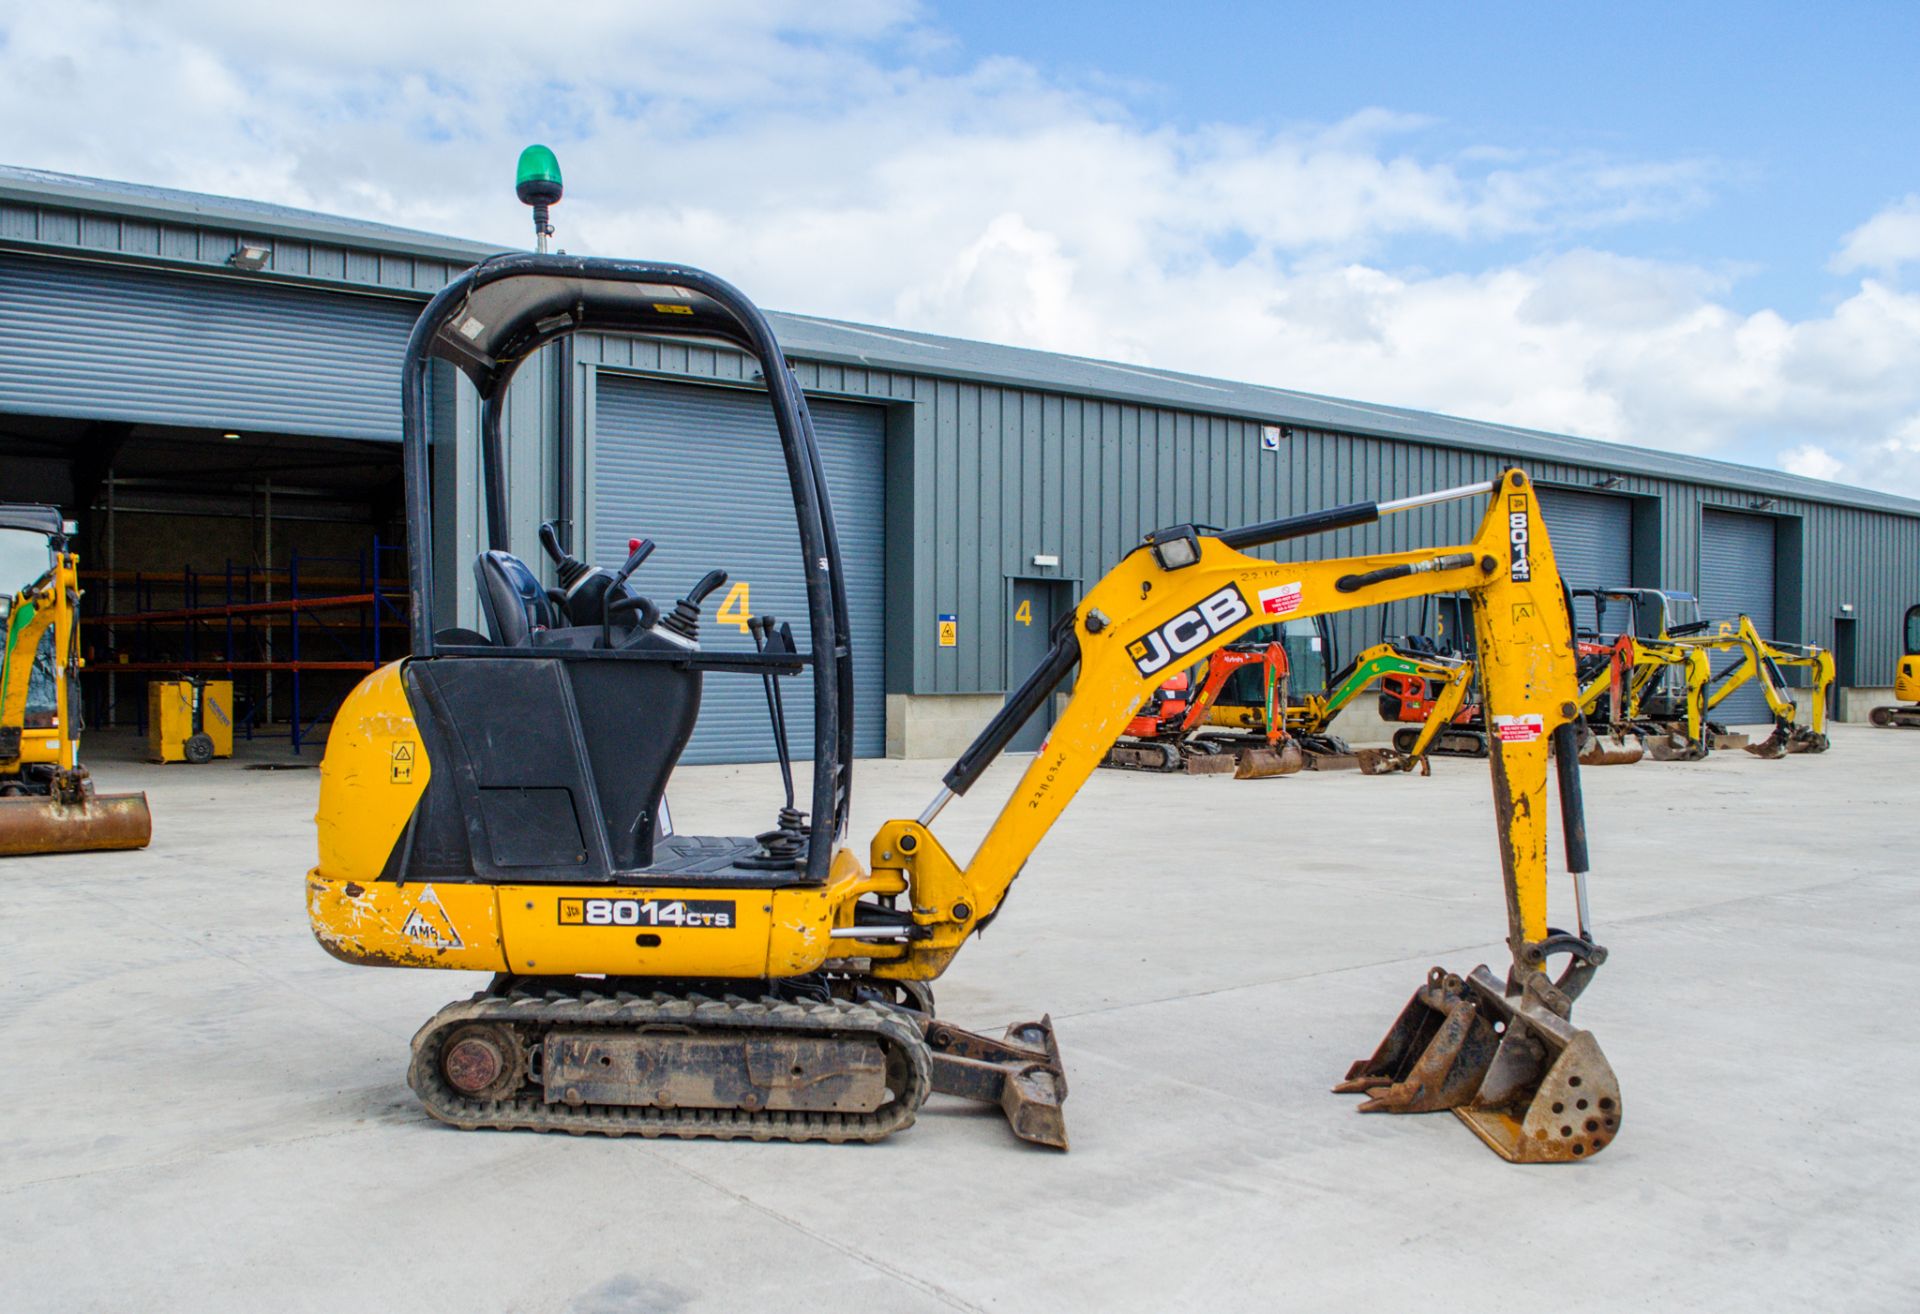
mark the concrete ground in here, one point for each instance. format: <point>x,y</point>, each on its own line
<point>205,1112</point>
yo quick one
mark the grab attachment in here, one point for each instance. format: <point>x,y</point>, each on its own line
<point>1021,1073</point>
<point>1505,1061</point>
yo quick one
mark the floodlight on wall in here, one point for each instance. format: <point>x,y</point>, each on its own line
<point>1611,481</point>
<point>250,259</point>
<point>1762,504</point>
<point>231,437</point>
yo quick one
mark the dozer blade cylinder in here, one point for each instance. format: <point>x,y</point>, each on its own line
<point>101,821</point>
<point>1529,1084</point>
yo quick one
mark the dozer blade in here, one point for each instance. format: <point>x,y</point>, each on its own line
<point>1773,746</point>
<point>1611,750</point>
<point>1530,1085</point>
<point>98,821</point>
<point>1728,739</point>
<point>1021,1073</point>
<point>1260,763</point>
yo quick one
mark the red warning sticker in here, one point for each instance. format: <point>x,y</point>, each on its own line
<point>1281,599</point>
<point>1519,729</point>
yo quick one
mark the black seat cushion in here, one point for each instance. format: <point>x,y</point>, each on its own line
<point>511,598</point>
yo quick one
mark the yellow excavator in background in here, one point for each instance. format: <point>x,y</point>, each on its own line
<point>47,799</point>
<point>1764,660</point>
<point>1906,679</point>
<point>492,803</point>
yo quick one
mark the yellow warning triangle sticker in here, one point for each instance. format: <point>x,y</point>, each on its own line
<point>429,924</point>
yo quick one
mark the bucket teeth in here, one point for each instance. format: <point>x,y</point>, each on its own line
<point>1529,1084</point>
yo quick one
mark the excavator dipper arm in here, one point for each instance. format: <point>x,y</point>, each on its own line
<point>1503,1047</point>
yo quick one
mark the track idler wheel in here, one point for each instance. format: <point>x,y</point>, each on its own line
<point>1529,1084</point>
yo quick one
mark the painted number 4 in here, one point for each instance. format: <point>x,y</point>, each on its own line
<point>737,609</point>
<point>1024,612</point>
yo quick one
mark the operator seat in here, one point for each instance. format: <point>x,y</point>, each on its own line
<point>511,599</point>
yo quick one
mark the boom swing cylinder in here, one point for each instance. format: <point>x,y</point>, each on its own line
<point>496,803</point>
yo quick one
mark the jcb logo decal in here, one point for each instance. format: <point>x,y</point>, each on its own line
<point>1517,536</point>
<point>1220,612</point>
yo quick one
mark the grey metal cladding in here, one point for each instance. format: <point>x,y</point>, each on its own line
<point>1737,578</point>
<point>700,471</point>
<point>109,342</point>
<point>1592,536</point>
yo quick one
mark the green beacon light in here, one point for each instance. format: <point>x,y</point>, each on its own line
<point>537,183</point>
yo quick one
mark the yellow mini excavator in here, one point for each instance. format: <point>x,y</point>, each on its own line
<point>47,799</point>
<point>1906,680</point>
<point>1764,660</point>
<point>492,803</point>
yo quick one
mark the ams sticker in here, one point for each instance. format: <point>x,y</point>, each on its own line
<point>1519,729</point>
<point>1517,537</point>
<point>429,924</point>
<point>693,913</point>
<point>1215,614</point>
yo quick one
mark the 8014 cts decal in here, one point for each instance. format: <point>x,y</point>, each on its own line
<point>713,914</point>
<point>1215,614</point>
<point>1517,535</point>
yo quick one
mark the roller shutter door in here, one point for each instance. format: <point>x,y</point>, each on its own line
<point>1736,577</point>
<point>1592,537</point>
<point>107,343</point>
<point>700,471</point>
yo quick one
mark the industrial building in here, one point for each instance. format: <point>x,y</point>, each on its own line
<point>210,387</point>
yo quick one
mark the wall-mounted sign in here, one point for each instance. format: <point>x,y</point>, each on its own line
<point>949,630</point>
<point>1269,437</point>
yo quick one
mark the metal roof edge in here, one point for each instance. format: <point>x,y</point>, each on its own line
<point>164,204</point>
<point>1022,367</point>
<point>834,341</point>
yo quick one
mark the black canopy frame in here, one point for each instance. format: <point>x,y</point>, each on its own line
<point>491,319</point>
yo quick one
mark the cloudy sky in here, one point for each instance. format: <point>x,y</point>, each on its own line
<point>1698,233</point>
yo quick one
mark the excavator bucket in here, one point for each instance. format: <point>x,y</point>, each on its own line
<point>1673,746</point>
<point>1530,1085</point>
<point>1259,763</point>
<point>45,824</point>
<point>1611,750</point>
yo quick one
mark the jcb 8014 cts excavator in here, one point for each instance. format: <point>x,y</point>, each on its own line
<point>1906,678</point>
<point>492,803</point>
<point>47,799</point>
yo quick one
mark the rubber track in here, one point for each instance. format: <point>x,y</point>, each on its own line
<point>536,1012</point>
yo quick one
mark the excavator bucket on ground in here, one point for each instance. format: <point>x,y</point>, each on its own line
<point>1532,1086</point>
<point>1611,750</point>
<point>1282,759</point>
<point>1675,746</point>
<point>73,820</point>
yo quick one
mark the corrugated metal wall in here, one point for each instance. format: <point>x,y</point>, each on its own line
<point>106,342</point>
<point>992,476</point>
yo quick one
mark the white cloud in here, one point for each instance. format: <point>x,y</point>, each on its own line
<point>843,160</point>
<point>1885,242</point>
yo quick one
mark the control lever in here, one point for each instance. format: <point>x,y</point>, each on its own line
<point>641,549</point>
<point>786,844</point>
<point>685,620</point>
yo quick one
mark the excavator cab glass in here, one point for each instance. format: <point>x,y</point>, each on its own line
<point>25,556</point>
<point>1911,647</point>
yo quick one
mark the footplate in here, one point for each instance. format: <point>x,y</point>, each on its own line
<point>1021,1073</point>
<point>1532,1086</point>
